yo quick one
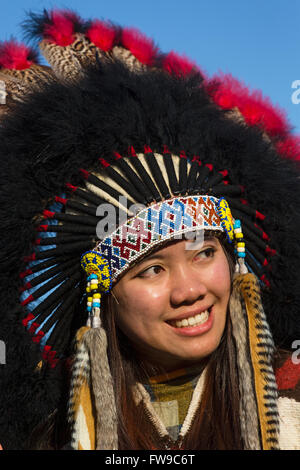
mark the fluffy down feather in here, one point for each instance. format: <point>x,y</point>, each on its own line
<point>14,55</point>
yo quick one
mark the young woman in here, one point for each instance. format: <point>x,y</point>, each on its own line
<point>171,332</point>
<point>150,258</point>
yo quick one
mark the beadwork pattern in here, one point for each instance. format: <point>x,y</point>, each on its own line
<point>156,224</point>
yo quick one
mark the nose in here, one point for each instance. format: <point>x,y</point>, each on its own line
<point>187,286</point>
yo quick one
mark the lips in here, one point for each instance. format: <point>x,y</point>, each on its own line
<point>190,319</point>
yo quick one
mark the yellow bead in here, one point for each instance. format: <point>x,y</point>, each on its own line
<point>94,287</point>
<point>96,296</point>
<point>90,299</point>
<point>240,244</point>
<point>88,289</point>
<point>239,235</point>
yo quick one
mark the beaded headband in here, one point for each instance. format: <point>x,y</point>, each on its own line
<point>155,224</point>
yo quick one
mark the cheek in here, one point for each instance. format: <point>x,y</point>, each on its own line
<point>140,304</point>
<point>220,279</point>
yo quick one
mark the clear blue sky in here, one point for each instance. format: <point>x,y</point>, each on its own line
<point>258,41</point>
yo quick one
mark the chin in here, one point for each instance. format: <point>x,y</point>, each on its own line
<point>200,353</point>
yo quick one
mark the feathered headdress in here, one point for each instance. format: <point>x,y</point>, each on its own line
<point>113,119</point>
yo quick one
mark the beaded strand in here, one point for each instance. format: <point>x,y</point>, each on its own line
<point>240,249</point>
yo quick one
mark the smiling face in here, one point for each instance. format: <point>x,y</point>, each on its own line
<point>173,304</point>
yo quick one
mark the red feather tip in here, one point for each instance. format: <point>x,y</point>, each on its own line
<point>61,29</point>
<point>178,65</point>
<point>228,93</point>
<point>14,55</point>
<point>290,147</point>
<point>102,34</point>
<point>139,45</point>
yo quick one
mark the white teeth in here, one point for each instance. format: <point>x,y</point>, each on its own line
<point>192,321</point>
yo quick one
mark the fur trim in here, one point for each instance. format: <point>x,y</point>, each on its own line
<point>81,435</point>
<point>106,415</point>
<point>91,378</point>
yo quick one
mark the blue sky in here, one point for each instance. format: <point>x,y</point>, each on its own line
<point>257,41</point>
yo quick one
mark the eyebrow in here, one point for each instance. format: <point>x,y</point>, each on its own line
<point>158,256</point>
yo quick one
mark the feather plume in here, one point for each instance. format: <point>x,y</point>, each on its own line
<point>102,34</point>
<point>178,65</point>
<point>139,45</point>
<point>290,147</point>
<point>229,92</point>
<point>14,55</point>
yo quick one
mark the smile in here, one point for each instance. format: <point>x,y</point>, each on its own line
<point>189,321</point>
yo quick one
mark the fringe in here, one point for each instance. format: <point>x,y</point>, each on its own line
<point>102,385</point>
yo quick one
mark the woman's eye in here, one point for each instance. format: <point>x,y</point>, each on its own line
<point>150,272</point>
<point>207,253</point>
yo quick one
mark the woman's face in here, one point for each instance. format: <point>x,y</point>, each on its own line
<point>173,304</point>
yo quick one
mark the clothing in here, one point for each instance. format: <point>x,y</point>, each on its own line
<point>186,386</point>
<point>288,381</point>
<point>171,395</point>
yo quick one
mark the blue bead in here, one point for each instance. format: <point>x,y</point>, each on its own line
<point>237,224</point>
<point>93,276</point>
<point>96,304</point>
<point>241,255</point>
<point>89,309</point>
